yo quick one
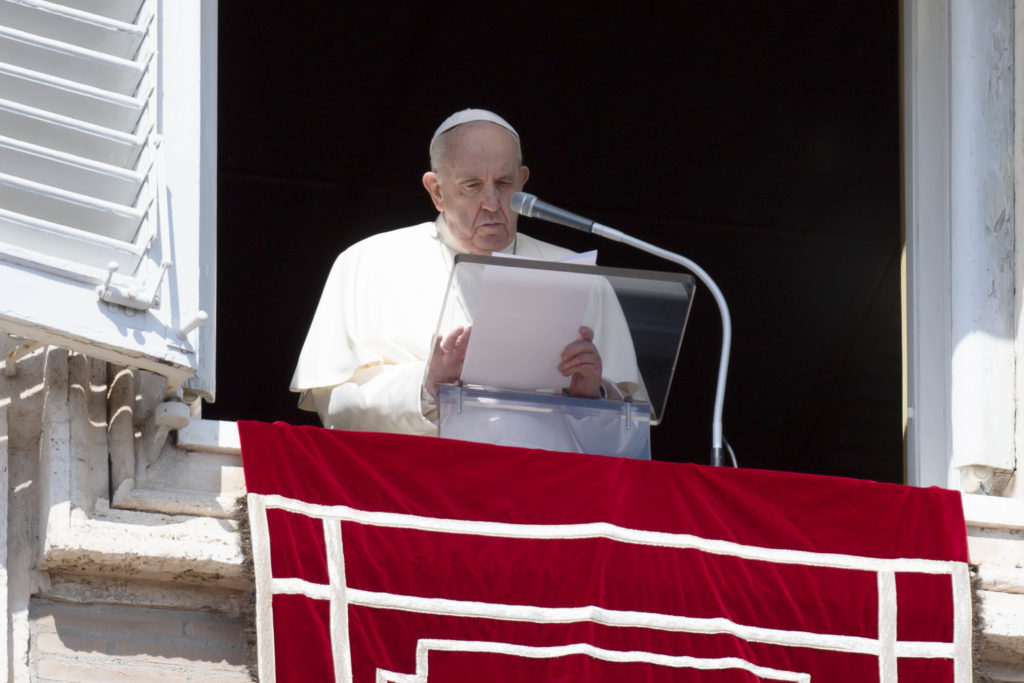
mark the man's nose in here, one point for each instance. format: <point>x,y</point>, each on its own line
<point>491,199</point>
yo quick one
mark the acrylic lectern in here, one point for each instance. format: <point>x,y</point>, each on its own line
<point>521,314</point>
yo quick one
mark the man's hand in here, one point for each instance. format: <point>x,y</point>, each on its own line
<point>582,360</point>
<point>447,359</point>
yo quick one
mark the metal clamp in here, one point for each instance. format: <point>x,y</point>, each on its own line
<point>131,298</point>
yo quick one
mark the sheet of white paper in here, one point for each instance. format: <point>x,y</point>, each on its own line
<point>523,320</point>
<point>584,258</point>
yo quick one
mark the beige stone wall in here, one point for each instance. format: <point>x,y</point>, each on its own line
<point>86,643</point>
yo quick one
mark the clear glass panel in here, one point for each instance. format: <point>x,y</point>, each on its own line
<point>522,313</point>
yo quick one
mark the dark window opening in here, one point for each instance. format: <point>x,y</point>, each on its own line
<point>760,140</point>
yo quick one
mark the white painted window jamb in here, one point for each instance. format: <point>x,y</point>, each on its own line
<point>925,94</point>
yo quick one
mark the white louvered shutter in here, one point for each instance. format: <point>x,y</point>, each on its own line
<point>108,180</point>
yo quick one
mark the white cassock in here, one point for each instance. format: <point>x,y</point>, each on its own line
<point>364,359</point>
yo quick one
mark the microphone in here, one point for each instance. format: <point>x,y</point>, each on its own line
<point>528,205</point>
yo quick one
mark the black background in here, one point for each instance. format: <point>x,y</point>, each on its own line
<point>760,139</point>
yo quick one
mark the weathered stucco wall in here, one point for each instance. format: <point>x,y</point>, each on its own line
<point>89,642</point>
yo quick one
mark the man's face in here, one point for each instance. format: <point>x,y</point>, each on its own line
<point>473,187</point>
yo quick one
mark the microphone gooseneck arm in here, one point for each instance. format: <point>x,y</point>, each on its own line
<point>528,205</point>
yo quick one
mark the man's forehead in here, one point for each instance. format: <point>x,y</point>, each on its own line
<point>482,149</point>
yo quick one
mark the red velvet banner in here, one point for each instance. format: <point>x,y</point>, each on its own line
<point>395,558</point>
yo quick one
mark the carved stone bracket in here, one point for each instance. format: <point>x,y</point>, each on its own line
<point>196,472</point>
<point>169,520</point>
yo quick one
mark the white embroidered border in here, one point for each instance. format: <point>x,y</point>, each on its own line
<point>266,665</point>
<point>340,652</point>
<point>314,591</point>
<point>887,662</point>
<point>426,646</point>
<point>963,624</point>
<point>611,532</point>
<point>959,650</point>
<point>649,620</point>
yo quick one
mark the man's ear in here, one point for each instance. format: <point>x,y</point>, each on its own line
<point>524,175</point>
<point>433,185</point>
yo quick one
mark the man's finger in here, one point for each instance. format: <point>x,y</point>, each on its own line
<point>451,340</point>
<point>578,347</point>
<point>580,363</point>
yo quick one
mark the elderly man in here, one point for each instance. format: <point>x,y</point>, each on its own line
<point>363,365</point>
